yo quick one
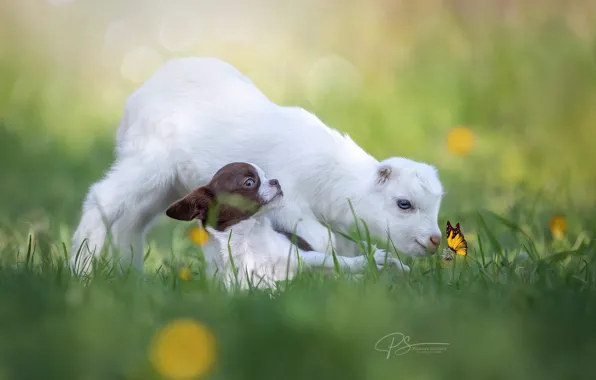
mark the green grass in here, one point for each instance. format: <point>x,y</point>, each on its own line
<point>508,318</point>
<point>521,305</point>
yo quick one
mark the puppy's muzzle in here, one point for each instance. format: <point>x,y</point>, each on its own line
<point>275,183</point>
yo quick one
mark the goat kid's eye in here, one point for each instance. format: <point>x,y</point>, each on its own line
<point>249,182</point>
<point>404,204</point>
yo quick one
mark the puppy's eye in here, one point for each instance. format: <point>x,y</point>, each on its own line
<point>404,204</point>
<point>249,182</point>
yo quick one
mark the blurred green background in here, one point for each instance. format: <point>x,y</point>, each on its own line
<point>398,76</point>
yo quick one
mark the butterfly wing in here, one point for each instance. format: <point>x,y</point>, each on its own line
<point>456,240</point>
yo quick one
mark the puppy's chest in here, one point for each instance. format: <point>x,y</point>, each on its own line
<point>262,254</point>
<point>260,248</point>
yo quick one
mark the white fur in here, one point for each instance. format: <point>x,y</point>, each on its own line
<point>267,192</point>
<point>197,114</point>
<point>263,256</point>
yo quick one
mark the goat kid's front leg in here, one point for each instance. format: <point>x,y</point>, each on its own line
<point>354,249</point>
<point>352,264</point>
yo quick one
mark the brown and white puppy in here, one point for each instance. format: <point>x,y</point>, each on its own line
<point>233,209</point>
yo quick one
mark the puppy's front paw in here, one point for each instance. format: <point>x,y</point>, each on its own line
<point>382,256</point>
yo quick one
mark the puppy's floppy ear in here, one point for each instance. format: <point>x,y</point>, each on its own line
<point>192,206</point>
<point>384,173</point>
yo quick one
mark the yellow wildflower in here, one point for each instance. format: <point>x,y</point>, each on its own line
<point>558,226</point>
<point>183,349</point>
<point>460,141</point>
<point>199,235</point>
<point>185,274</point>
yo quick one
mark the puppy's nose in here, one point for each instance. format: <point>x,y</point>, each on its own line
<point>435,240</point>
<point>274,182</point>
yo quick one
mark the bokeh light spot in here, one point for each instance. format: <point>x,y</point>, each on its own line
<point>119,38</point>
<point>333,74</point>
<point>60,2</point>
<point>178,33</point>
<point>140,63</point>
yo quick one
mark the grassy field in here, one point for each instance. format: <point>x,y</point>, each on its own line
<point>397,76</point>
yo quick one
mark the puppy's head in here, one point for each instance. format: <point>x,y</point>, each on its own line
<point>236,192</point>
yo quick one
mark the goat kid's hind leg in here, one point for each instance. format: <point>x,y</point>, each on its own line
<point>122,204</point>
<point>128,232</point>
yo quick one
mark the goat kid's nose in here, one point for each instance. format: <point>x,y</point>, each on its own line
<point>274,182</point>
<point>435,240</point>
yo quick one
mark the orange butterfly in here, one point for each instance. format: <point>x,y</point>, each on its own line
<point>455,241</point>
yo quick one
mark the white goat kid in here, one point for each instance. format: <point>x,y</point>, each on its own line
<point>196,115</point>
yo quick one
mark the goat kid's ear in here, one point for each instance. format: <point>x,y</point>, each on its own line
<point>192,206</point>
<point>384,173</point>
